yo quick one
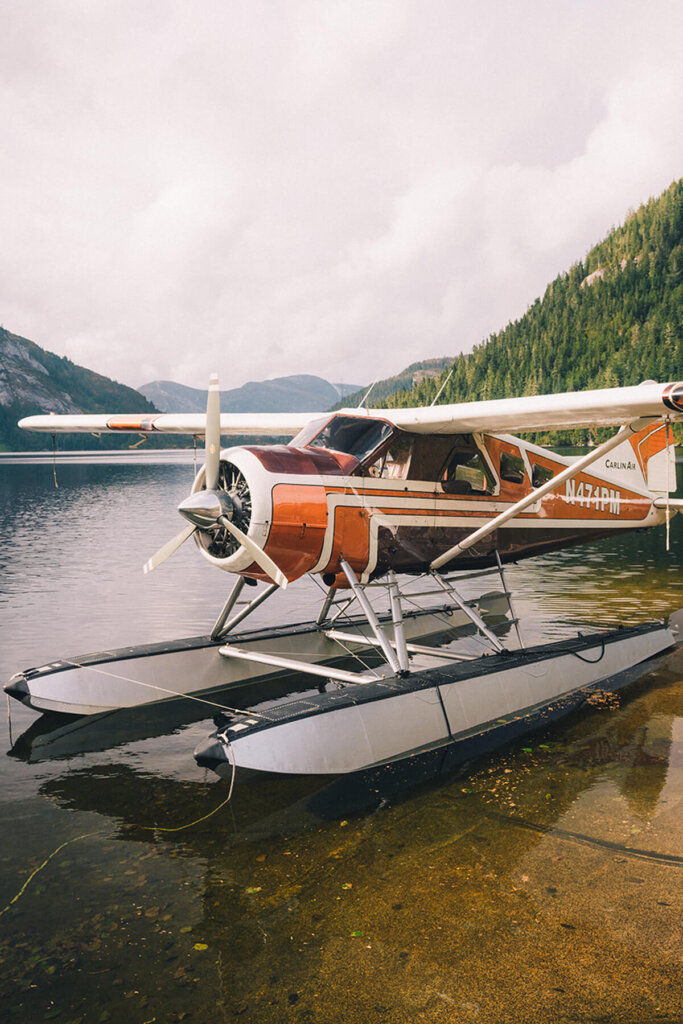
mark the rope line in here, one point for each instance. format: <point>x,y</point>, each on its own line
<point>163,689</point>
<point>54,460</point>
<point>102,832</point>
<point>591,661</point>
<point>9,721</point>
<point>669,859</point>
<point>198,821</point>
<point>668,482</point>
<point>86,835</point>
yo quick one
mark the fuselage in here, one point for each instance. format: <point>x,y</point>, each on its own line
<point>360,489</point>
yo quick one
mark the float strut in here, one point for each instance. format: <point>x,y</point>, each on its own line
<point>368,610</point>
<point>508,594</point>
<point>397,622</point>
<point>329,598</point>
<point>227,608</point>
<point>263,596</point>
<point>470,612</point>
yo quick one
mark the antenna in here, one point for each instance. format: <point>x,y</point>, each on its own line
<point>365,396</point>
<point>438,394</point>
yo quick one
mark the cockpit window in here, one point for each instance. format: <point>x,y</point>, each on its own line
<point>397,457</point>
<point>359,436</point>
<point>393,461</point>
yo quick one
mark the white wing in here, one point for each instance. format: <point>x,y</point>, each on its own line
<point>250,424</point>
<point>607,407</point>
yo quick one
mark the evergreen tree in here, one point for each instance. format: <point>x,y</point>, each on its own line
<point>615,318</point>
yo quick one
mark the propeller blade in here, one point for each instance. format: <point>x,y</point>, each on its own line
<point>212,438</point>
<point>257,553</point>
<point>169,547</point>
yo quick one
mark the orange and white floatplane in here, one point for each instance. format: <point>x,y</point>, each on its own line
<point>397,504</point>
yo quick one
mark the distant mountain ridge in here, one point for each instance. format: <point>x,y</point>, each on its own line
<point>301,392</point>
<point>33,381</point>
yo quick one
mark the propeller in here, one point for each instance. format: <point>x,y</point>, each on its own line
<point>210,508</point>
<point>206,509</point>
<point>167,550</point>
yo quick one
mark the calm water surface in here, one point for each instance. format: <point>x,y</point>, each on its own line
<point>541,884</point>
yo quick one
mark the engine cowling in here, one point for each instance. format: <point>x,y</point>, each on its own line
<point>279,500</point>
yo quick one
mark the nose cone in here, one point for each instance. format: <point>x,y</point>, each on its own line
<point>211,753</point>
<point>202,509</point>
<point>673,396</point>
<point>17,687</point>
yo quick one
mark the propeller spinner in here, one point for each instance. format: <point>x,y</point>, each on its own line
<point>214,509</point>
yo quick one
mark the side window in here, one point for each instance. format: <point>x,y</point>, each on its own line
<point>466,473</point>
<point>540,475</point>
<point>512,468</point>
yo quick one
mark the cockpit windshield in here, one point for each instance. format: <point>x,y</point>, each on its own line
<point>359,436</point>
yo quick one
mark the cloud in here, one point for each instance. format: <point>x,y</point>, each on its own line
<point>337,188</point>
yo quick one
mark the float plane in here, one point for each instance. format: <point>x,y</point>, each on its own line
<point>355,498</point>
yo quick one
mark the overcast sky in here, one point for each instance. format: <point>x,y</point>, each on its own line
<point>338,187</point>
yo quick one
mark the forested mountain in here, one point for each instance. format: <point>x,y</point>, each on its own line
<point>614,318</point>
<point>301,392</point>
<point>34,381</point>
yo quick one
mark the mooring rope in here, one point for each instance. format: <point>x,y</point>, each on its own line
<point>9,721</point>
<point>47,860</point>
<point>668,481</point>
<point>107,831</point>
<point>54,460</point>
<point>552,832</point>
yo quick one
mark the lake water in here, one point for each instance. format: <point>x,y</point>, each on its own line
<point>542,884</point>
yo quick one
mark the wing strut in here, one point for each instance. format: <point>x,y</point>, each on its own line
<point>540,492</point>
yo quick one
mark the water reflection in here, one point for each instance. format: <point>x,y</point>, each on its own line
<point>477,894</point>
<point>624,579</point>
<point>540,884</point>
